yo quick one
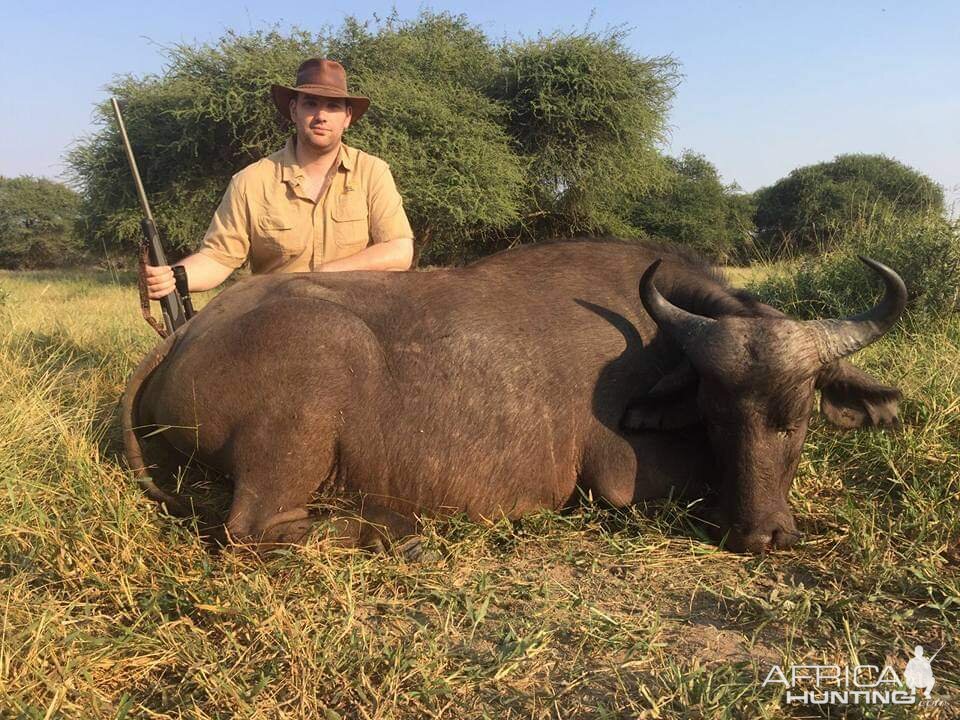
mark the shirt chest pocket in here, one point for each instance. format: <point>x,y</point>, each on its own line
<point>280,235</point>
<point>349,226</point>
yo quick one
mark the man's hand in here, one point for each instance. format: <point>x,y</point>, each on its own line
<point>160,282</point>
<point>203,273</point>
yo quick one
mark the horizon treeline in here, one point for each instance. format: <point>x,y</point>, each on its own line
<point>492,144</point>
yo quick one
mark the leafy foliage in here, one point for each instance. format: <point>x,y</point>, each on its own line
<point>696,209</point>
<point>37,218</point>
<point>814,206</point>
<point>434,123</point>
<point>924,250</point>
<point>587,114</point>
<point>451,159</point>
<point>490,144</point>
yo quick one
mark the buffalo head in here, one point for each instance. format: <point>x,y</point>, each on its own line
<point>755,382</point>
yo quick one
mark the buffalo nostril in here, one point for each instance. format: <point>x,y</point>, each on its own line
<point>774,532</point>
<point>738,541</point>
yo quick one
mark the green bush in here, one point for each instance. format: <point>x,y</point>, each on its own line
<point>491,144</point>
<point>924,250</point>
<point>587,114</point>
<point>432,119</point>
<point>37,219</point>
<point>696,209</point>
<point>817,206</point>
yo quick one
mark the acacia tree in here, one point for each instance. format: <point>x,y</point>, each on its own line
<point>588,115</point>
<point>695,208</point>
<point>37,218</point>
<point>815,205</point>
<point>490,144</point>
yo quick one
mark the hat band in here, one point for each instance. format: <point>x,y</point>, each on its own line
<point>322,90</point>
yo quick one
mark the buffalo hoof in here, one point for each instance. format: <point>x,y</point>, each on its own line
<point>413,550</point>
<point>776,531</point>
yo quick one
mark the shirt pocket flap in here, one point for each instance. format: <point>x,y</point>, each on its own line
<point>275,222</point>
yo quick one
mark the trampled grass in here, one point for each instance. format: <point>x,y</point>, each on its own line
<point>110,609</point>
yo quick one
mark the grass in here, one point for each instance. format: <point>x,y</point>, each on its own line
<point>109,609</point>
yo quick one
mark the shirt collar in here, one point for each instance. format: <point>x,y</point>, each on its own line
<point>291,170</point>
<point>289,167</point>
<point>346,157</point>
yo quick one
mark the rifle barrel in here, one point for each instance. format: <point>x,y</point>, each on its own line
<point>141,194</point>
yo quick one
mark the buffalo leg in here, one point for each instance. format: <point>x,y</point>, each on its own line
<point>372,528</point>
<point>272,486</point>
<point>268,510</point>
<point>267,518</point>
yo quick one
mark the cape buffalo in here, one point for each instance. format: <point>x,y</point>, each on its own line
<point>500,388</point>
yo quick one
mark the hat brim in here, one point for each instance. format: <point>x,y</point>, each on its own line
<point>282,95</point>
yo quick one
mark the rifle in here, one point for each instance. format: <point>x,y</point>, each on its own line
<point>177,307</point>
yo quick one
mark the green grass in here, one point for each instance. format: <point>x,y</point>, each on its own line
<point>110,609</point>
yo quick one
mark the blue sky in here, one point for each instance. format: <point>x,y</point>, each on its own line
<point>768,86</point>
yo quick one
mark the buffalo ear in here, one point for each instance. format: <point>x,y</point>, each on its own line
<point>850,398</point>
<point>681,379</point>
<point>670,404</point>
<point>661,414</point>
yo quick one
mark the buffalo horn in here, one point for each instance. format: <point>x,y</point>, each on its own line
<point>684,327</point>
<point>839,338</point>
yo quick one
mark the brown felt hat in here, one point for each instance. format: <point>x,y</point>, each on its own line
<point>323,78</point>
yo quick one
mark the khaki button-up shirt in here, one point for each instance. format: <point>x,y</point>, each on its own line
<point>267,217</point>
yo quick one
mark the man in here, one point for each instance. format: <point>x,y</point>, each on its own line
<point>317,205</point>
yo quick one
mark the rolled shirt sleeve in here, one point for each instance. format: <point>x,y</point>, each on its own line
<point>387,219</point>
<point>227,240</point>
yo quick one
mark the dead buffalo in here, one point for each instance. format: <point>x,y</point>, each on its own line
<point>500,388</point>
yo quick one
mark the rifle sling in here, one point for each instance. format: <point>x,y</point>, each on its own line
<point>144,297</point>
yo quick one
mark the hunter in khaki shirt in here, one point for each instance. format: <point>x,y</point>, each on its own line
<point>265,215</point>
<point>317,205</point>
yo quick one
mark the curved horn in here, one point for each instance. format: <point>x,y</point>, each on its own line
<point>839,338</point>
<point>684,327</point>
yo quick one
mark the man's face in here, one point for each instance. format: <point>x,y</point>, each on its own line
<point>320,121</point>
